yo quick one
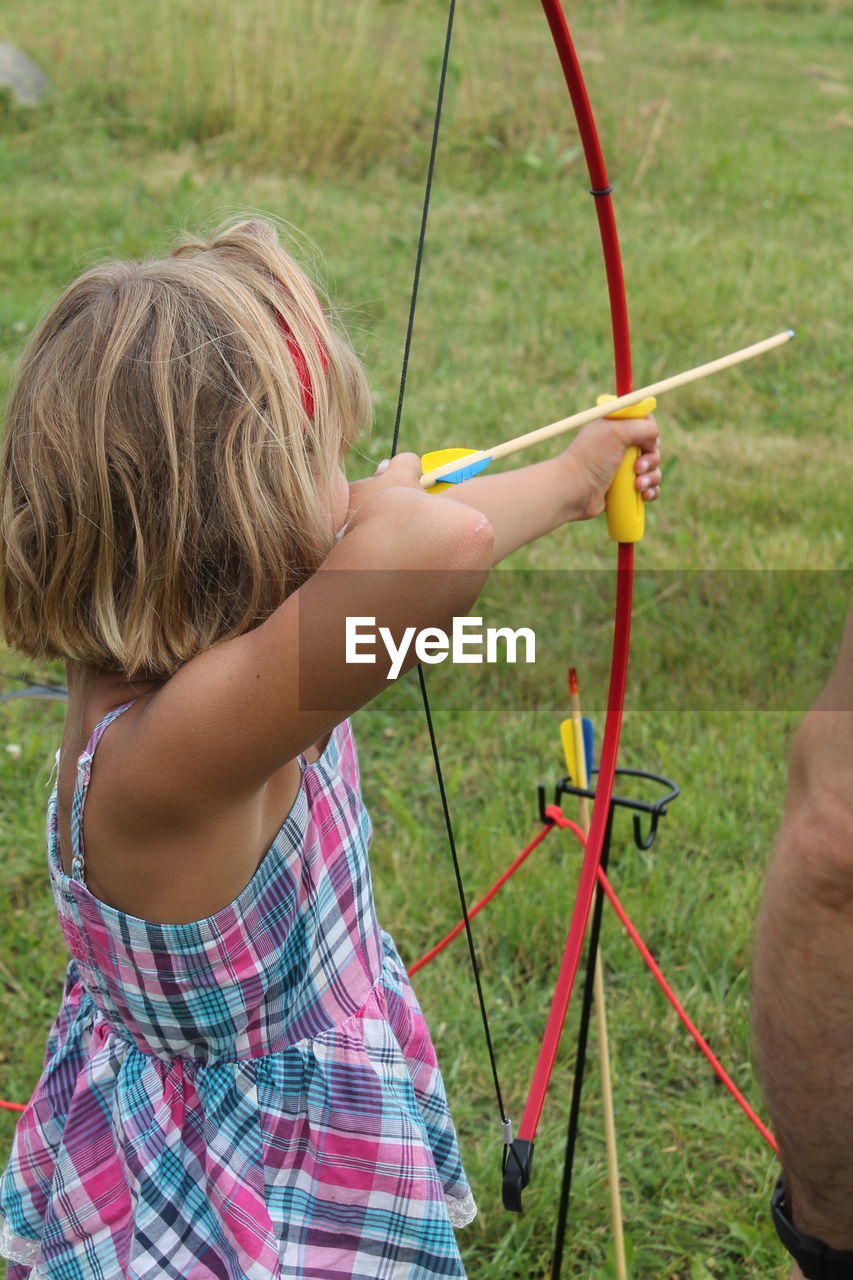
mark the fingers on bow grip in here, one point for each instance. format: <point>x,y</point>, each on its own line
<point>626,512</point>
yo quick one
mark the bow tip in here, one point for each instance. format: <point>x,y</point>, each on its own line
<point>519,1162</point>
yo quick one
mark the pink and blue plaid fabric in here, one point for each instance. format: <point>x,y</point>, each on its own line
<point>249,1096</point>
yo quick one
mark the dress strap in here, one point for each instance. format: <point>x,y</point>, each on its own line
<point>81,787</point>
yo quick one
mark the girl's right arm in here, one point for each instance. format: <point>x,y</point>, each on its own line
<point>229,719</point>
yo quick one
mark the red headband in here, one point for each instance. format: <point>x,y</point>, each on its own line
<point>301,365</point>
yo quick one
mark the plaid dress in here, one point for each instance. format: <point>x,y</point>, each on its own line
<point>249,1096</point>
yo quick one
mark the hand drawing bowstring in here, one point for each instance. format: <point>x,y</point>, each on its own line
<point>518,1152</point>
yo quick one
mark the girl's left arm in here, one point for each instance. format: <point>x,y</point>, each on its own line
<point>524,504</point>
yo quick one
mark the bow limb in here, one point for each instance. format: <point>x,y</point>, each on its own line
<point>518,1165</point>
<point>600,190</point>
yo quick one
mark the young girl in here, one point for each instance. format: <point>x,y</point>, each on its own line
<point>239,1083</point>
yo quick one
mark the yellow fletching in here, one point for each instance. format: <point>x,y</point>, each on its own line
<point>567,736</point>
<point>438,458</point>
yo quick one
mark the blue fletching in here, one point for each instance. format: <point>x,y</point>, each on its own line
<point>464,471</point>
<point>588,746</point>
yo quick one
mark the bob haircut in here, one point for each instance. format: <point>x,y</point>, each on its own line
<point>162,485</point>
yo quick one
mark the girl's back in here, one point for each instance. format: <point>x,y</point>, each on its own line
<point>249,1094</point>
<point>239,1082</point>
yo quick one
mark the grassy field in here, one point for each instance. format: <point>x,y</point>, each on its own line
<point>726,128</point>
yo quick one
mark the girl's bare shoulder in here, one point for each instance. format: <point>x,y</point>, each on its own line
<point>171,859</point>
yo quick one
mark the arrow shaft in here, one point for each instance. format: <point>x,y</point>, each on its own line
<point>601,1021</point>
<point>621,402</point>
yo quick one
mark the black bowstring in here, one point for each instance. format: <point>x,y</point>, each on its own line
<point>394,443</point>
<point>419,257</point>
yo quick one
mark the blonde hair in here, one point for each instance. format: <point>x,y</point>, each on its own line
<point>162,486</point>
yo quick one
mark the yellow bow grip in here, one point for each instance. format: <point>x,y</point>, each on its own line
<point>626,515</point>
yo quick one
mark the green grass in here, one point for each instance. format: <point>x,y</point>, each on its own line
<point>725,128</point>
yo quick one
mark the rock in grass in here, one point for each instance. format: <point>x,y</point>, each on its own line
<point>18,73</point>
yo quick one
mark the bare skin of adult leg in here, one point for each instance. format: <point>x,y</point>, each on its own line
<point>803,976</point>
